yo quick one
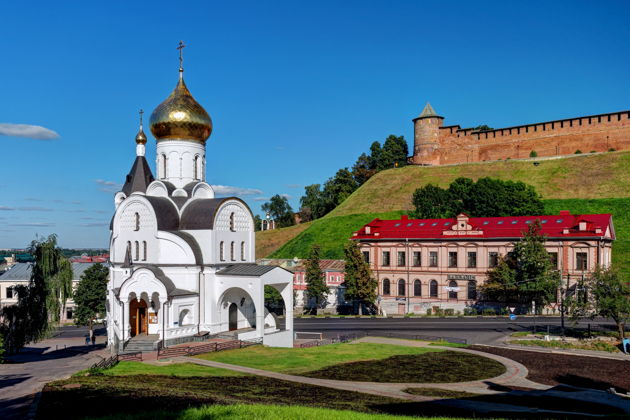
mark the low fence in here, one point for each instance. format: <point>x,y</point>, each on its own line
<point>169,352</point>
<point>360,334</point>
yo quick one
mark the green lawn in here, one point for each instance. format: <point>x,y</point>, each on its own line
<point>175,369</point>
<point>297,361</point>
<point>264,412</point>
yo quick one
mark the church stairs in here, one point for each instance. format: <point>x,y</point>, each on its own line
<point>142,343</point>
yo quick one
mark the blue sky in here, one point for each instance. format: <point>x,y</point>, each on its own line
<point>296,90</point>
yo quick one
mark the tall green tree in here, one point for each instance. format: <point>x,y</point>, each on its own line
<point>605,293</point>
<point>40,303</point>
<point>316,287</point>
<point>361,170</point>
<point>90,295</point>
<point>432,202</point>
<point>339,187</point>
<point>360,284</point>
<point>526,275</point>
<point>280,210</point>
<point>313,200</point>
<point>394,153</point>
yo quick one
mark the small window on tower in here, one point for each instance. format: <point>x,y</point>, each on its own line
<point>222,251</point>
<point>137,251</point>
<point>232,251</point>
<point>232,222</point>
<point>137,222</point>
<point>196,167</point>
<point>243,251</point>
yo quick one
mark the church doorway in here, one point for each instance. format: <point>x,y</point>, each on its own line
<point>138,317</point>
<point>233,317</point>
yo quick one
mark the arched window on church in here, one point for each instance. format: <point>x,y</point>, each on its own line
<point>222,251</point>
<point>243,251</point>
<point>137,251</point>
<point>433,288</point>
<point>232,222</point>
<point>232,251</point>
<point>144,254</point>
<point>163,165</point>
<point>137,221</point>
<point>197,167</point>
<point>128,250</point>
<point>386,290</point>
<point>417,289</point>
<point>401,287</point>
<point>452,290</point>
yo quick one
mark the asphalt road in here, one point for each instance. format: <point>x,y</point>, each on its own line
<point>473,330</point>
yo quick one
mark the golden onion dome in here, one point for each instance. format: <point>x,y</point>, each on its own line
<point>141,138</point>
<point>180,117</point>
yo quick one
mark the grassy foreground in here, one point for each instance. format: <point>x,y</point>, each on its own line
<point>175,369</point>
<point>298,361</point>
<point>264,412</point>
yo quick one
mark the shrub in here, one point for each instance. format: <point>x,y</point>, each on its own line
<point>593,151</point>
<point>439,311</point>
<point>612,149</point>
<point>533,154</point>
<point>488,311</point>
<point>470,311</point>
<point>429,312</point>
<point>449,312</point>
<point>1,348</point>
<point>409,314</point>
<point>577,152</point>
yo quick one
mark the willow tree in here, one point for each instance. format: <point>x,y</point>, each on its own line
<point>39,303</point>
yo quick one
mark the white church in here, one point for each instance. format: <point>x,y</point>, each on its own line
<point>183,261</point>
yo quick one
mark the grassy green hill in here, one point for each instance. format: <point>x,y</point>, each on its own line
<point>582,184</point>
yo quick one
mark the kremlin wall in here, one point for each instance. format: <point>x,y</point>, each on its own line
<point>437,144</point>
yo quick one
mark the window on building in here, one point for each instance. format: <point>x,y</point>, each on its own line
<point>232,222</point>
<point>144,250</point>
<point>136,222</point>
<point>553,257</point>
<point>9,292</point>
<point>386,291</point>
<point>243,251</point>
<point>137,251</point>
<point>493,259</point>
<point>197,167</point>
<point>401,258</point>
<point>452,294</point>
<point>417,258</point>
<point>366,256</point>
<point>581,261</point>
<point>222,251</point>
<point>232,258</point>
<point>433,259</point>
<point>433,288</point>
<point>129,250</point>
<point>472,290</point>
<point>385,258</point>
<point>472,260</point>
<point>417,288</point>
<point>452,259</point>
<point>68,313</point>
<point>401,287</point>
<point>163,166</point>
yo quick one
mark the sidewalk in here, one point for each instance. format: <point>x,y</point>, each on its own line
<point>571,352</point>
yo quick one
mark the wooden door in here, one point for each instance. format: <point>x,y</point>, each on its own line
<point>143,320</point>
<point>138,317</point>
<point>233,317</point>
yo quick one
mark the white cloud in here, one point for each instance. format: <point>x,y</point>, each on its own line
<point>224,190</point>
<point>34,224</point>
<point>34,208</point>
<point>95,224</point>
<point>294,186</point>
<point>261,199</point>
<point>287,196</point>
<point>108,186</point>
<point>28,131</point>
<point>7,208</point>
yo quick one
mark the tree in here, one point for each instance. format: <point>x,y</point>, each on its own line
<point>526,274</point>
<point>280,210</point>
<point>609,297</point>
<point>361,170</point>
<point>338,188</point>
<point>483,127</point>
<point>394,153</point>
<point>313,199</point>
<point>257,223</point>
<point>40,303</point>
<point>375,159</point>
<point>533,154</point>
<point>90,295</point>
<point>315,283</point>
<point>432,202</point>
<point>360,284</point>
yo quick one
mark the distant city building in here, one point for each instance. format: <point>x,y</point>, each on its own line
<point>20,274</point>
<point>333,275</point>
<point>424,264</point>
<point>437,144</point>
<point>103,258</point>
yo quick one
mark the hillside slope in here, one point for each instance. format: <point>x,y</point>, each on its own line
<point>604,175</point>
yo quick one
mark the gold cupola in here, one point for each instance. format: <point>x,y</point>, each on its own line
<point>141,138</point>
<point>180,117</point>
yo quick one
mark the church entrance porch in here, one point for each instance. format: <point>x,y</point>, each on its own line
<point>139,319</point>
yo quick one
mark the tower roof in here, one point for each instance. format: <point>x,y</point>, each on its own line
<point>428,112</point>
<point>139,177</point>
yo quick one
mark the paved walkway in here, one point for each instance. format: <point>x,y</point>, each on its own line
<point>515,375</point>
<point>25,375</point>
<point>571,352</point>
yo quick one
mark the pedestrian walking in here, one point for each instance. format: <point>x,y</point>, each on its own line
<point>93,339</point>
<point>87,339</point>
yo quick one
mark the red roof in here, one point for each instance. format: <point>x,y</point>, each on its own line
<point>564,225</point>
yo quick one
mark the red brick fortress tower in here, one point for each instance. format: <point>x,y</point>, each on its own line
<point>426,140</point>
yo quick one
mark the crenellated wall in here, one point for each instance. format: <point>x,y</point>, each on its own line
<point>436,144</point>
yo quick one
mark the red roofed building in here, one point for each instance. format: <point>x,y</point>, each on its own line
<point>424,264</point>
